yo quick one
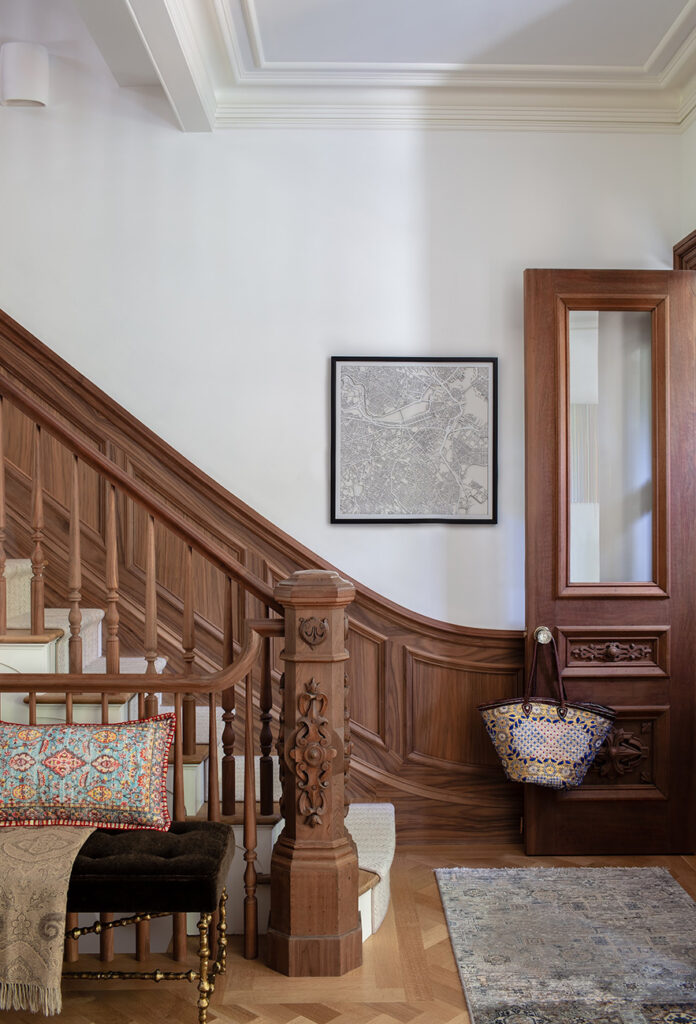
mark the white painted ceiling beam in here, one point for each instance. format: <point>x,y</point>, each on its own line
<point>135,34</point>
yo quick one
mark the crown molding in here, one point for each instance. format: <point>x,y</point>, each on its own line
<point>680,37</point>
<point>341,108</point>
<point>687,108</point>
<point>271,94</point>
<point>209,57</point>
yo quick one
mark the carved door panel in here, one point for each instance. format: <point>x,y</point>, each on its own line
<point>610,364</point>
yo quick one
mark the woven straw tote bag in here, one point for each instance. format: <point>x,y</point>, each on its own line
<point>547,741</point>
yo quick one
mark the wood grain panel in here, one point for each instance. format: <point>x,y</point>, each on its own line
<point>367,672</point>
<point>614,651</point>
<point>56,466</point>
<point>442,698</point>
<point>433,796</point>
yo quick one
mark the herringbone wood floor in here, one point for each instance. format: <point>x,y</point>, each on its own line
<point>408,973</point>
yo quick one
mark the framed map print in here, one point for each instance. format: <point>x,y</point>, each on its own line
<point>413,440</point>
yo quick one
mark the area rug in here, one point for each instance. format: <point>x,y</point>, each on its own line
<point>571,945</point>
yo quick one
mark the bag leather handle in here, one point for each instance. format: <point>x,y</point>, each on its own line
<point>545,637</point>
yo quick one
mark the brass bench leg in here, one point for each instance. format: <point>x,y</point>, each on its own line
<point>222,933</point>
<point>205,987</point>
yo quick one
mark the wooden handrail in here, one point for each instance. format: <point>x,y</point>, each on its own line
<point>93,682</point>
<point>215,554</point>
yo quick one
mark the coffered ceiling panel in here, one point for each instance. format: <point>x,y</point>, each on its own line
<point>621,33</point>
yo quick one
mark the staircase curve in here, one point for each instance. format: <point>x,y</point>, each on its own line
<point>414,682</point>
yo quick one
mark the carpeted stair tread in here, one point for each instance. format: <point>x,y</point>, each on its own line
<point>373,829</point>
<point>128,666</point>
<point>58,618</point>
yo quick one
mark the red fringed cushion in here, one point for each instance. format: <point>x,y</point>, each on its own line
<point>109,776</point>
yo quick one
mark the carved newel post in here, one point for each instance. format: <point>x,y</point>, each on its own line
<point>315,925</point>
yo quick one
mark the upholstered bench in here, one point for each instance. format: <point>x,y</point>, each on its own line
<point>158,873</point>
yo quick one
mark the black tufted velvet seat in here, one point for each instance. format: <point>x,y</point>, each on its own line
<point>184,869</point>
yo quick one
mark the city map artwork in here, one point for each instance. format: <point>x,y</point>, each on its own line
<point>413,440</point>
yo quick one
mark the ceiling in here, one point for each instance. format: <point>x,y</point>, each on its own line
<point>555,64</point>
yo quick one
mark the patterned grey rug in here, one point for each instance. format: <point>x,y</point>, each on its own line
<point>571,945</point>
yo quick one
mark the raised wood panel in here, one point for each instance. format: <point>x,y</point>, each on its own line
<point>635,755</point>
<point>438,798</point>
<point>208,596</point>
<point>614,651</point>
<point>442,698</point>
<point>437,805</point>
<point>367,674</point>
<point>56,468</point>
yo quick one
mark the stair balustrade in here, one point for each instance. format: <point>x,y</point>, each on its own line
<point>190,692</point>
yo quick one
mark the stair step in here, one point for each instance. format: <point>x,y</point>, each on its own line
<point>373,829</point>
<point>58,618</point>
<point>18,574</point>
<point>128,666</point>
<point>366,880</point>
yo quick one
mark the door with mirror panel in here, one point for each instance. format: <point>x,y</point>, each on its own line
<point>610,373</point>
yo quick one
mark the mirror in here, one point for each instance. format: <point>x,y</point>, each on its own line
<point>610,446</point>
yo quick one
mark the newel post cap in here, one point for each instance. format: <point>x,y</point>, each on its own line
<point>315,587</point>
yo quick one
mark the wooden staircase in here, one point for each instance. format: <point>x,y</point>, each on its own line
<point>109,517</point>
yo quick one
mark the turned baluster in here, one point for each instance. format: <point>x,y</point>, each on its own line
<point>213,793</point>
<point>347,743</point>
<point>266,736</point>
<point>75,574</point>
<point>38,561</point>
<point>70,948</point>
<point>179,920</point>
<point>111,618</point>
<point>150,600</point>
<point>213,781</point>
<point>148,705</point>
<point>106,937</point>
<point>188,643</point>
<point>228,702</point>
<point>3,583</point>
<point>251,914</point>
<point>142,929</point>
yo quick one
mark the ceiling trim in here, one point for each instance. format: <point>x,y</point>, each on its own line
<point>321,108</point>
<point>209,58</point>
<point>660,96</point>
<point>679,37</point>
<point>675,50</point>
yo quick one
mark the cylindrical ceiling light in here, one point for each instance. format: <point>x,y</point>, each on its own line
<point>23,75</point>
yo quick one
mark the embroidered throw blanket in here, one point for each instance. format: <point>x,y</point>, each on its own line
<point>35,867</point>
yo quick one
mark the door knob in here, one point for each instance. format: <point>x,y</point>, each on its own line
<point>543,635</point>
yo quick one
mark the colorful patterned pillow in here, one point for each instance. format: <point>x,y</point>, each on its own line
<point>109,776</point>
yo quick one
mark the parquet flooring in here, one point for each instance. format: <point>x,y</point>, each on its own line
<point>408,974</point>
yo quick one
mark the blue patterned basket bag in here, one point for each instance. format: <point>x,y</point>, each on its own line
<point>547,741</point>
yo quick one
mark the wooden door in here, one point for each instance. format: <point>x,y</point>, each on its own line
<point>610,362</point>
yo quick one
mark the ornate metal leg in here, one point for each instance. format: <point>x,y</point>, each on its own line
<point>222,934</point>
<point>204,985</point>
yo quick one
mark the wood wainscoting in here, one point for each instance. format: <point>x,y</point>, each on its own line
<point>414,683</point>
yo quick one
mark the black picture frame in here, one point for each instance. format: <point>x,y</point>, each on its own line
<point>422,444</point>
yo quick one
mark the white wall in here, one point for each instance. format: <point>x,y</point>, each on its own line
<point>687,192</point>
<point>204,282</point>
